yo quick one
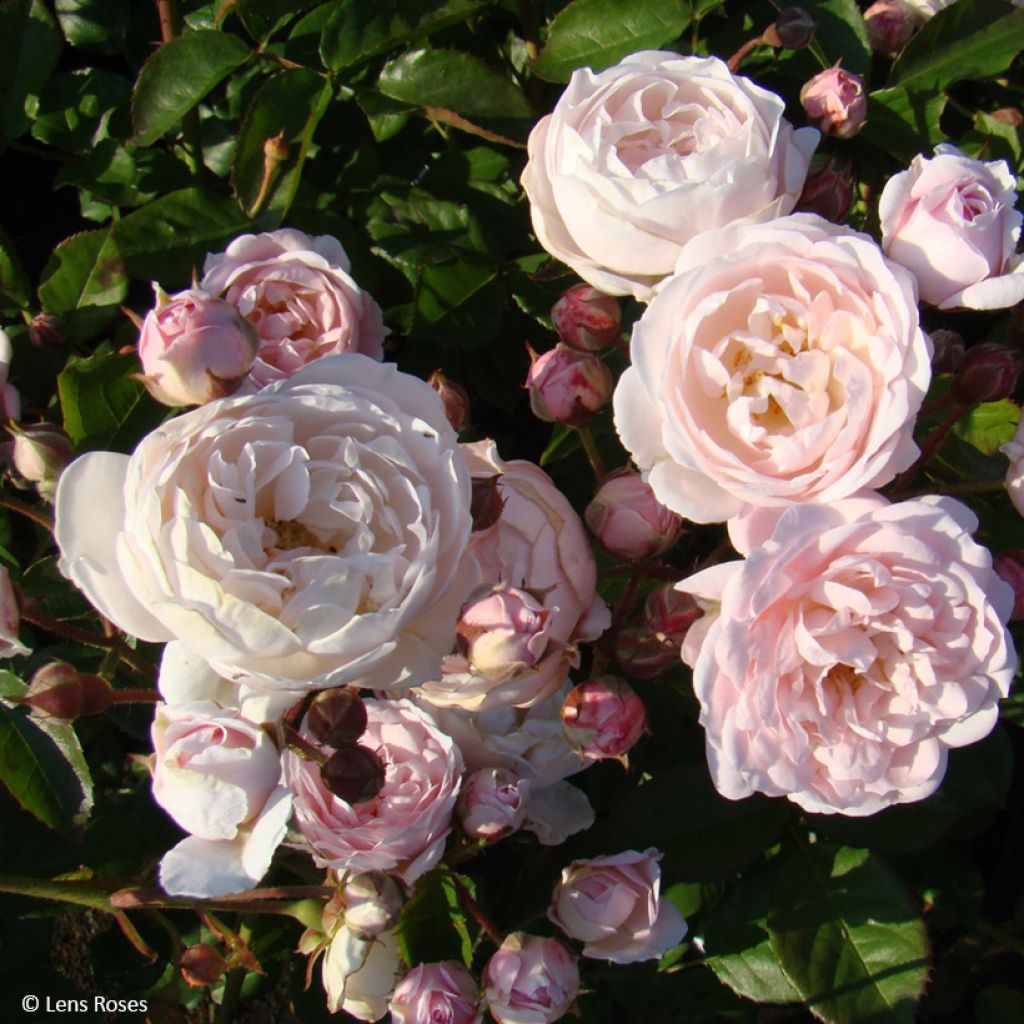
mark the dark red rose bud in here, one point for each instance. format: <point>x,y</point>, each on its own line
<point>202,965</point>
<point>948,350</point>
<point>644,655</point>
<point>487,502</point>
<point>48,330</point>
<point>454,397</point>
<point>670,613</point>
<point>1009,566</point>
<point>355,774</point>
<point>891,24</point>
<point>828,191</point>
<point>60,691</point>
<point>793,29</point>
<point>586,318</point>
<point>987,373</point>
<point>337,717</point>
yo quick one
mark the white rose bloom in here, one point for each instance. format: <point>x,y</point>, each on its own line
<point>307,536</point>
<point>359,974</point>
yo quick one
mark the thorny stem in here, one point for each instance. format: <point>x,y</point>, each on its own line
<point>593,455</point>
<point>145,898</point>
<point>476,911</point>
<point>930,447</point>
<point>27,511</point>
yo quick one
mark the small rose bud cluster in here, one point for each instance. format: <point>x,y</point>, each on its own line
<point>835,102</point>
<point>567,385</point>
<point>493,803</point>
<point>628,520</point>
<point>530,980</point>
<point>587,319</point>
<point>603,718</point>
<point>437,993</point>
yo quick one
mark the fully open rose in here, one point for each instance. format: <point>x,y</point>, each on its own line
<point>306,536</point>
<point>789,368</point>
<point>640,158</point>
<point>853,647</point>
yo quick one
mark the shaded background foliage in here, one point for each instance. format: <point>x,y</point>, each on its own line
<point>399,126</point>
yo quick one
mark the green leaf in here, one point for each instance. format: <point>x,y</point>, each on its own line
<point>30,46</point>
<point>904,122</point>
<point>178,76</point>
<point>848,936</point>
<point>103,406</point>
<point>989,425</point>
<point>599,33</point>
<point>840,34</point>
<point>99,25</point>
<point>42,764</point>
<point>75,110</point>
<point>288,108</point>
<point>85,282</point>
<point>15,290</point>
<point>357,31</point>
<point>453,81</point>
<point>433,925</point>
<point>968,39</point>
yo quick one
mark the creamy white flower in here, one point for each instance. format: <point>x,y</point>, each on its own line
<point>360,974</point>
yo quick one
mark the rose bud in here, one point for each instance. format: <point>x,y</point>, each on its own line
<point>586,318</point>
<point>372,902</point>
<point>891,24</point>
<point>614,905</point>
<point>195,348</point>
<point>454,398</point>
<point>503,633</point>
<point>492,803</point>
<point>568,386</point>
<point>41,453</point>
<point>670,613</point>
<point>628,520</point>
<point>58,690</point>
<point>356,774</point>
<point>948,350</point>
<point>987,373</point>
<point>202,965</point>
<point>530,980</point>
<point>603,717</point>
<point>828,191</point>
<point>835,102</point>
<point>10,618</point>
<point>487,502</point>
<point>643,654</point>
<point>337,717</point>
<point>48,331</point>
<point>793,29</point>
<point>437,993</point>
<point>1009,566</point>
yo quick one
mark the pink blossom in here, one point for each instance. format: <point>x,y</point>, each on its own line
<point>836,102</point>
<point>437,993</point>
<point>603,717</point>
<point>567,385</point>
<point>493,803</point>
<point>628,520</point>
<point>586,318</point>
<point>530,980</point>
<point>503,632</point>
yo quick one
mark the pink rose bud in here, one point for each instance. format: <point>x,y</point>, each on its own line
<point>948,350</point>
<point>987,373</point>
<point>492,803</point>
<point>10,618</point>
<point>48,331</point>
<point>586,318</point>
<point>372,902</point>
<point>891,24</point>
<point>530,980</point>
<point>202,965</point>
<point>41,452</point>
<point>614,905</point>
<point>337,716</point>
<point>643,654</point>
<point>195,348</point>
<point>603,717</point>
<point>670,613</point>
<point>835,102</point>
<point>1009,566</point>
<point>356,774</point>
<point>58,690</point>
<point>628,520</point>
<point>828,191</point>
<point>437,993</point>
<point>568,386</point>
<point>503,633</point>
<point>454,397</point>
<point>793,29</point>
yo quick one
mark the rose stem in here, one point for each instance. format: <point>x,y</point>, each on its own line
<point>929,448</point>
<point>476,911</point>
<point>28,511</point>
<point>135,697</point>
<point>736,59</point>
<point>302,746</point>
<point>593,455</point>
<point>144,898</point>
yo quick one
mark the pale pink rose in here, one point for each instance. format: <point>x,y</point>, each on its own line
<point>437,993</point>
<point>307,536</point>
<point>216,774</point>
<point>10,618</point>
<point>614,905</point>
<point>628,520</point>
<point>360,974</point>
<point>537,544</point>
<point>298,292</point>
<point>1014,451</point>
<point>787,369</point>
<point>638,159</point>
<point>194,348</point>
<point>836,102</point>
<point>603,717</point>
<point>403,828</point>
<point>952,221</point>
<point>853,647</point>
<point>530,980</point>
<point>567,385</point>
<point>493,803</point>
<point>586,318</point>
